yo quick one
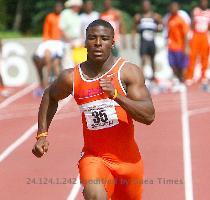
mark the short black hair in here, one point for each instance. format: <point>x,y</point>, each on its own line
<point>100,22</point>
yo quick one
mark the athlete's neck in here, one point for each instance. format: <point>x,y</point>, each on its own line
<point>93,69</point>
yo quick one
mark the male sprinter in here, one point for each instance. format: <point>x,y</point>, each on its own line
<point>110,92</point>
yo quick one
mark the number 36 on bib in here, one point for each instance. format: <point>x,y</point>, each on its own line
<point>100,114</point>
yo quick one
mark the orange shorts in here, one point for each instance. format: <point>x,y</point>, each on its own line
<point>121,180</point>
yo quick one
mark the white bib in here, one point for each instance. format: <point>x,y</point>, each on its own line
<point>100,114</point>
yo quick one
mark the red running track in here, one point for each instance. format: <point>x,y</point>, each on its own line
<point>52,177</point>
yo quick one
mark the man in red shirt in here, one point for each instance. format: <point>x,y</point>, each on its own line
<point>199,46</point>
<point>51,30</point>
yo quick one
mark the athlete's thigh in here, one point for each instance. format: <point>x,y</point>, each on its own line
<point>93,171</point>
<point>129,186</point>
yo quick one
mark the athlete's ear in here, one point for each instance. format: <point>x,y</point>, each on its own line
<point>113,43</point>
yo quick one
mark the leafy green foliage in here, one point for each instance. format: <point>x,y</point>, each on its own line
<point>34,11</point>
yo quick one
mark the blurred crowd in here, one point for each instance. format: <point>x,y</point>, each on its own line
<point>186,36</point>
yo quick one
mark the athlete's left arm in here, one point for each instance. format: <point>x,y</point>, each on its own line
<point>138,102</point>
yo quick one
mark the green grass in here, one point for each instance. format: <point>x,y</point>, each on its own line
<point>10,34</point>
<point>13,34</point>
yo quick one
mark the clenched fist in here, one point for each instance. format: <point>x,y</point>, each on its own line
<point>41,147</point>
<point>107,86</point>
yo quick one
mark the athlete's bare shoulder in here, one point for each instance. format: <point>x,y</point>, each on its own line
<point>133,78</point>
<point>67,75</point>
<point>63,85</point>
<point>132,73</point>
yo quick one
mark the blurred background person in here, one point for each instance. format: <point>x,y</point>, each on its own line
<point>199,46</point>
<point>49,52</point>
<point>47,60</point>
<point>146,23</point>
<point>177,43</point>
<point>51,29</point>
<point>115,18</point>
<point>46,54</point>
<point>87,16</point>
<point>182,13</point>
<point>70,24</point>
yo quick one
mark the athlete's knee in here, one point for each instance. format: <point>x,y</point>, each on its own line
<point>95,192</point>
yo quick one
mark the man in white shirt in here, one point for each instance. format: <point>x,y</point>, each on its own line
<point>88,16</point>
<point>70,24</point>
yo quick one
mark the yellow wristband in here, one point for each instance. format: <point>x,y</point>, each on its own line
<point>115,94</point>
<point>44,134</point>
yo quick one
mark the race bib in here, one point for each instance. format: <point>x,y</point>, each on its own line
<point>100,114</point>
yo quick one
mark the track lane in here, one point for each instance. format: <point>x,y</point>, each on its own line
<point>200,137</point>
<point>161,148</point>
<point>59,164</point>
<point>160,144</point>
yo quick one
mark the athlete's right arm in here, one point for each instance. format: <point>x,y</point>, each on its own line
<point>58,90</point>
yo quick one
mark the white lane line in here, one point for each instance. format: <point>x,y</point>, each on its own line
<point>198,111</point>
<point>13,116</point>
<point>18,95</point>
<point>186,147</point>
<point>18,142</point>
<point>27,134</point>
<point>75,190</point>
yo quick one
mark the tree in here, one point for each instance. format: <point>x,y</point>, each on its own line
<point>3,15</point>
<point>28,15</point>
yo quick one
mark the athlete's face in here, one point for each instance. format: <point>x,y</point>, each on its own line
<point>204,4</point>
<point>99,42</point>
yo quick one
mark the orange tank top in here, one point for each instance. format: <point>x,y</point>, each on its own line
<point>107,128</point>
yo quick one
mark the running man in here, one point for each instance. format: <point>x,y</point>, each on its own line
<point>115,18</point>
<point>110,92</point>
<point>147,24</point>
<point>199,45</point>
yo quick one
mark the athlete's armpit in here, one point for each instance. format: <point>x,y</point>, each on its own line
<point>133,77</point>
<point>138,102</point>
<point>62,87</point>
